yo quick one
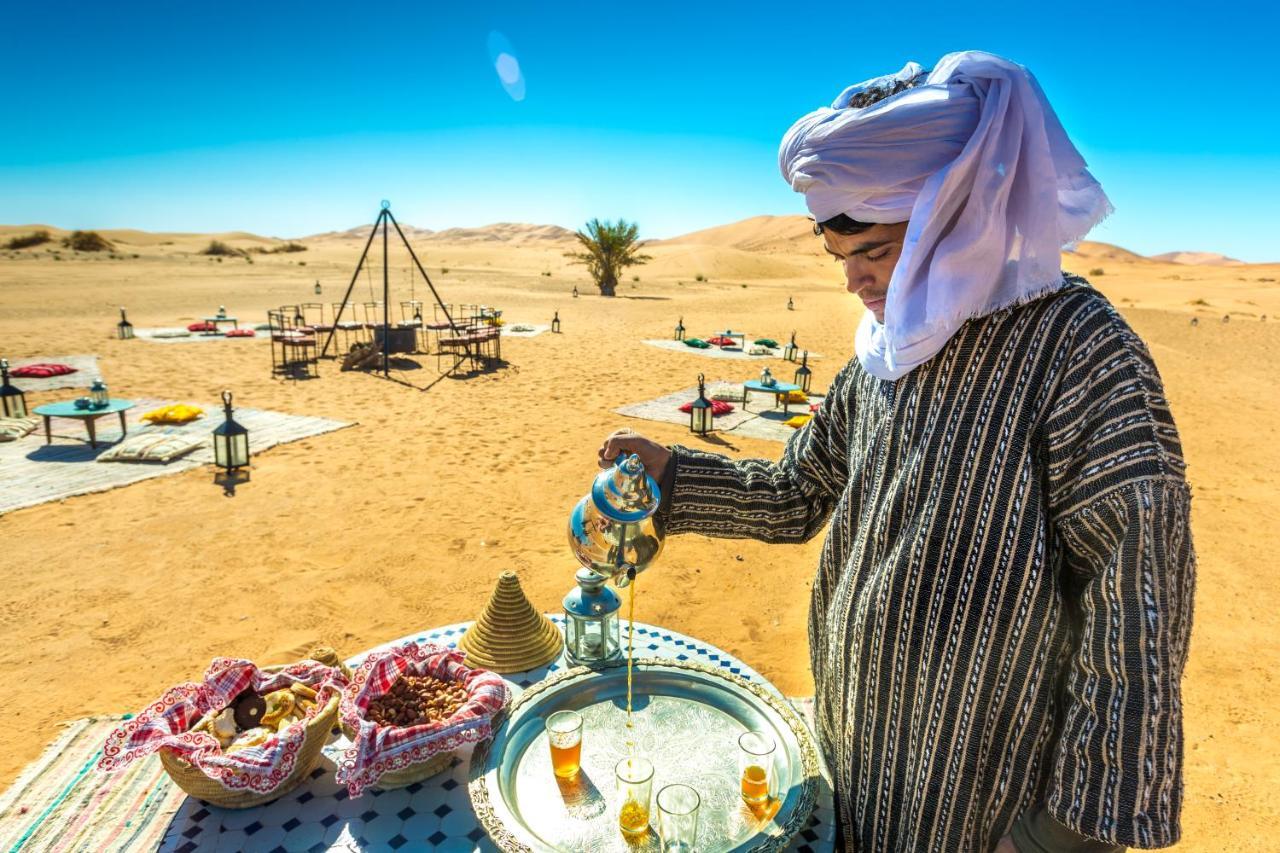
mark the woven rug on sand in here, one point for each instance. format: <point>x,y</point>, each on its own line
<point>762,421</point>
<point>32,472</point>
<point>60,802</point>
<point>86,371</point>
<point>160,336</point>
<point>715,351</point>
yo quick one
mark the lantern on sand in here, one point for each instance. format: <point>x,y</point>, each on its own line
<point>318,289</point>
<point>701,413</point>
<point>13,403</point>
<point>575,291</point>
<point>591,632</point>
<point>124,329</point>
<point>230,441</point>
<point>789,351</point>
<point>791,306</point>
<point>555,323</point>
<point>680,330</point>
<point>804,376</point>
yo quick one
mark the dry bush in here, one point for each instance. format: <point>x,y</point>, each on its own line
<point>87,241</point>
<point>26,241</point>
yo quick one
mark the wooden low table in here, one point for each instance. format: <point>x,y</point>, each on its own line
<point>217,321</point>
<point>779,392</point>
<point>89,416</point>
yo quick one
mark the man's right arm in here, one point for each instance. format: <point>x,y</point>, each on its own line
<point>785,501</point>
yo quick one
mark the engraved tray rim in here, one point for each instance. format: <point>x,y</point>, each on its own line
<point>517,838</point>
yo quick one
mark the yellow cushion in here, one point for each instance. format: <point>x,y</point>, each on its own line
<point>179,413</point>
<point>798,421</point>
<point>797,397</point>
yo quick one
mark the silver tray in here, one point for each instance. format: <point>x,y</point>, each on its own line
<point>687,721</point>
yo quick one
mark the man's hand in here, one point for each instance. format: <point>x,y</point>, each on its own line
<point>654,456</point>
<point>1006,845</point>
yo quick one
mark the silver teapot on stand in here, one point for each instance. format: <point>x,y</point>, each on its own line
<point>613,537</point>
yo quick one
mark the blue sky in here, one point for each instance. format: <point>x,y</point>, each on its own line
<point>292,118</point>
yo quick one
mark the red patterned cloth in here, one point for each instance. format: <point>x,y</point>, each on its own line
<point>380,749</point>
<point>718,408</point>
<point>239,333</point>
<point>42,371</point>
<point>203,327</point>
<point>168,720</point>
<point>722,341</point>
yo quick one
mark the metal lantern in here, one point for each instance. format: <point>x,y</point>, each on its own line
<point>591,632</point>
<point>700,415</point>
<point>555,322</point>
<point>680,330</point>
<point>98,394</point>
<point>124,329</point>
<point>789,351</point>
<point>13,403</point>
<point>317,287</point>
<point>222,311</point>
<point>230,441</point>
<point>575,291</point>
<point>791,306</point>
<point>766,378</point>
<point>804,376</point>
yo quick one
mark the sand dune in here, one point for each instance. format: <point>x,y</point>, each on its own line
<point>1211,259</point>
<point>404,521</point>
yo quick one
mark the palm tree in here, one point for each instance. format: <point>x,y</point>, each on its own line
<point>610,246</point>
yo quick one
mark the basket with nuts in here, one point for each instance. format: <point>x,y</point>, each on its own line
<point>408,708</point>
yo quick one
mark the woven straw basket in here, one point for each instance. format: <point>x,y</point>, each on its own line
<point>193,780</point>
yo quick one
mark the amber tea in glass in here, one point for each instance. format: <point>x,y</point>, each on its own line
<point>635,785</point>
<point>755,766</point>
<point>564,733</point>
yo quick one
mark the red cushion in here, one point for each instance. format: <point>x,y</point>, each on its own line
<point>42,371</point>
<point>813,407</point>
<point>202,327</point>
<point>722,341</point>
<point>240,333</point>
<point>718,408</point>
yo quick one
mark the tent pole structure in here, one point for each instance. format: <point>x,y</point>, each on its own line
<point>386,297</point>
<point>360,264</point>
<point>423,271</point>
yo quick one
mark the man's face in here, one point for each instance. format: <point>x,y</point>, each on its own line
<point>868,259</point>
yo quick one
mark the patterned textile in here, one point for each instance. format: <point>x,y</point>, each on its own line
<point>168,720</point>
<point>41,371</point>
<point>1001,613</point>
<point>697,343</point>
<point>153,447</point>
<point>239,333</point>
<point>58,804</point>
<point>722,341</point>
<point>177,413</point>
<point>12,429</point>
<point>379,749</point>
<point>202,327</point>
<point>718,407</point>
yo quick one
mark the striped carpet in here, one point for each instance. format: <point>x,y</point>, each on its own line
<point>761,420</point>
<point>32,472</point>
<point>61,803</point>
<point>86,371</point>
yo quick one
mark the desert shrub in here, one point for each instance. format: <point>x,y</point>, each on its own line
<point>547,274</point>
<point>248,260</point>
<point>744,287</point>
<point>1097,271</point>
<point>699,277</point>
<point>1198,302</point>
<point>26,241</point>
<point>282,249</point>
<point>635,278</point>
<point>87,241</point>
<point>135,255</point>
<point>302,263</point>
<point>219,248</point>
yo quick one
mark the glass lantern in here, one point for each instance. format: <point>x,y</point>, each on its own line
<point>791,306</point>
<point>230,441</point>
<point>555,323</point>
<point>98,394</point>
<point>13,403</point>
<point>804,376</point>
<point>700,415</point>
<point>789,351</point>
<point>318,288</point>
<point>766,378</point>
<point>124,329</point>
<point>680,330</point>
<point>575,291</point>
<point>222,311</point>
<point>591,631</point>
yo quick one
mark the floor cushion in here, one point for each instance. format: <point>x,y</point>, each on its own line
<point>179,413</point>
<point>797,421</point>
<point>42,371</point>
<point>171,333</point>
<point>697,343</point>
<point>797,397</point>
<point>152,447</point>
<point>767,342</point>
<point>240,333</point>
<point>718,408</point>
<point>202,327</point>
<point>12,429</point>
<point>722,341</point>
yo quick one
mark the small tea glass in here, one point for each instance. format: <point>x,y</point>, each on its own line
<point>564,734</point>
<point>635,785</point>
<point>755,767</point>
<point>678,818</point>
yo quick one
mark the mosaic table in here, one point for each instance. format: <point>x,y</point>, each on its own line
<point>434,814</point>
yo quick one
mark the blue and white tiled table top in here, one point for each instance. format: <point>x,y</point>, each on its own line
<point>434,814</point>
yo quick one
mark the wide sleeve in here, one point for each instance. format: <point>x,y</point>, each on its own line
<point>1121,515</point>
<point>788,500</point>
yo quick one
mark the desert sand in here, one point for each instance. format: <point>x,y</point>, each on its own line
<point>403,522</point>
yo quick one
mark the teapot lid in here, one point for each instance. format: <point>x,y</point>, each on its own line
<point>625,492</point>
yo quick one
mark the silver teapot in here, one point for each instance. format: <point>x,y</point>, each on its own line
<point>611,530</point>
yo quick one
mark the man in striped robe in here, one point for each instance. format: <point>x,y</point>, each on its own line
<point>1001,614</point>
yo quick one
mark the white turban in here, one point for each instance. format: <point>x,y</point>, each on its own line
<point>978,163</point>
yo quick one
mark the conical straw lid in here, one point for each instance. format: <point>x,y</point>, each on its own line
<point>510,635</point>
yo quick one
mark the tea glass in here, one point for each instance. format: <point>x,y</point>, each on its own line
<point>678,818</point>
<point>635,785</point>
<point>564,734</point>
<point>755,767</point>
